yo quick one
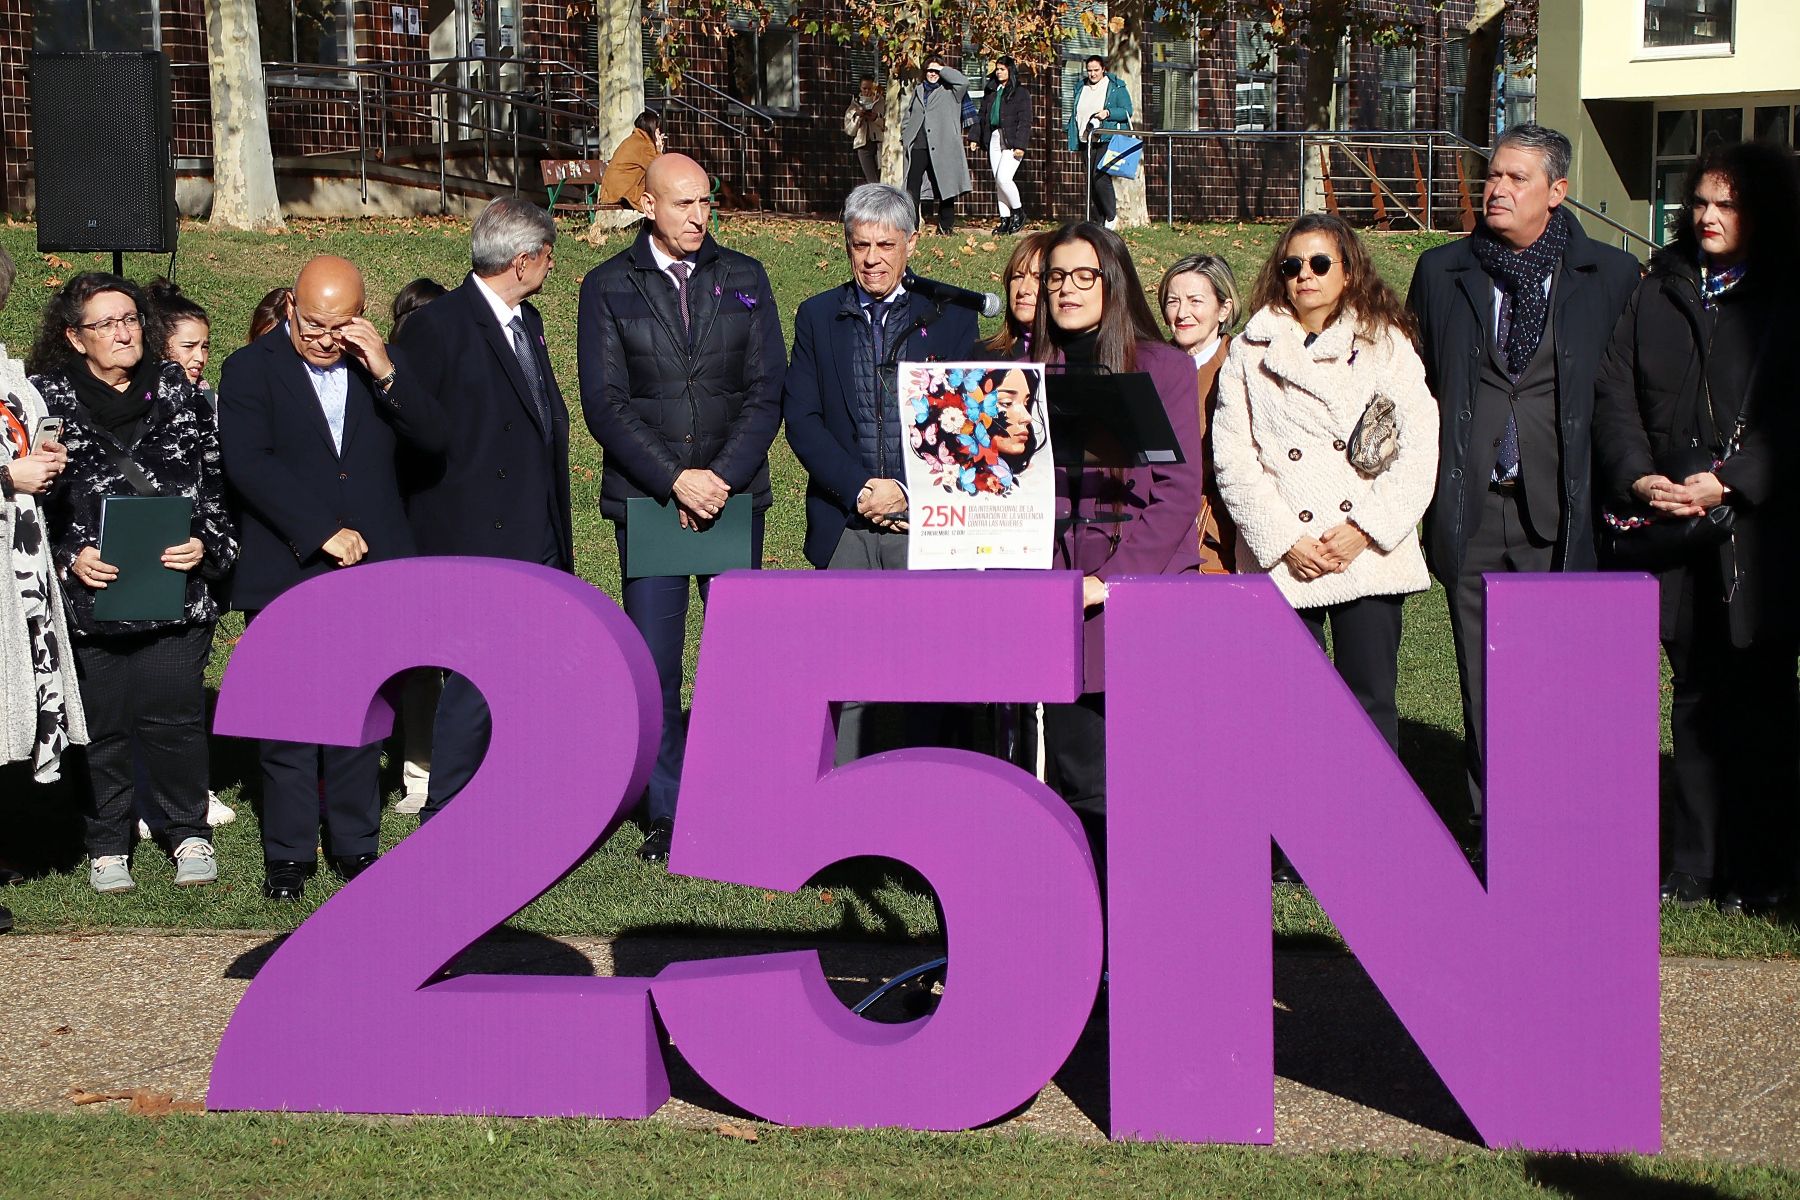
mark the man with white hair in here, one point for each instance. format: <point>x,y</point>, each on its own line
<point>501,487</point>
<point>840,401</point>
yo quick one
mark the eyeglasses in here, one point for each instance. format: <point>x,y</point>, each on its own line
<point>128,321</point>
<point>1320,264</point>
<point>1084,278</point>
<point>311,331</point>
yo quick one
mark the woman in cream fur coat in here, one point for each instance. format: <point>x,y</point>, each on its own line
<point>1328,337</point>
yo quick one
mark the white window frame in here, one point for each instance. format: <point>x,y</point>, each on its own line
<point>1722,49</point>
<point>1248,79</point>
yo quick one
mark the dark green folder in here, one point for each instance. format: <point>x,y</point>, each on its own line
<point>656,544</point>
<point>134,532</point>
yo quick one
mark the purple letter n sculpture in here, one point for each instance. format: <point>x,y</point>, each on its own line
<point>1535,999</point>
<point>345,1015</point>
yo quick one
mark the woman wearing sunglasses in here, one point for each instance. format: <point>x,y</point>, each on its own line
<point>1093,317</point>
<point>134,424</point>
<point>1325,444</point>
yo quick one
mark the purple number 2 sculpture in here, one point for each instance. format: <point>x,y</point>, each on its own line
<point>350,1014</point>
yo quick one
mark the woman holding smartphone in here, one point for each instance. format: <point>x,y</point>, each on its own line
<point>40,705</point>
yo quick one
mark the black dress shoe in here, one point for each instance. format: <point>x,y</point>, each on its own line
<point>10,877</point>
<point>6,918</point>
<point>656,843</point>
<point>285,880</point>
<point>1681,890</point>
<point>1005,226</point>
<point>349,866</point>
<point>1749,902</point>
<point>1284,875</point>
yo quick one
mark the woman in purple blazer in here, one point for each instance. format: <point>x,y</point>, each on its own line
<point>1092,313</point>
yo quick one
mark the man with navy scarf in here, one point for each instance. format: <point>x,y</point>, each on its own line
<point>1513,322</point>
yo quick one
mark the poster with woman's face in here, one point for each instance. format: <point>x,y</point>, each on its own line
<point>981,490</point>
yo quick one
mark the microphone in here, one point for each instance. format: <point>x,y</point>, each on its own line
<point>985,303</point>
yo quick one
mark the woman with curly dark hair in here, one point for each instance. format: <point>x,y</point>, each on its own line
<point>134,425</point>
<point>1325,445</point>
<point>1693,418</point>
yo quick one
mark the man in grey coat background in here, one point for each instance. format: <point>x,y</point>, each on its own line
<point>933,136</point>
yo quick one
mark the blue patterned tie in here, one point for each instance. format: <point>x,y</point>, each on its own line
<point>877,310</point>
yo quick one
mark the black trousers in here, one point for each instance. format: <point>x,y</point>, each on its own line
<point>1365,648</point>
<point>658,606</point>
<point>301,781</point>
<point>1075,753</point>
<point>1502,542</point>
<point>1735,718</point>
<point>918,166</point>
<point>1100,190</point>
<point>150,687</point>
<point>463,726</point>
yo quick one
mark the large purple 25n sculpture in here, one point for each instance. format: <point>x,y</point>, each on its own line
<point>1535,998</point>
<point>340,1018</point>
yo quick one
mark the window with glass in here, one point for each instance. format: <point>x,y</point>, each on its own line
<point>1340,87</point>
<point>1172,99</point>
<point>765,67</point>
<point>1399,80</point>
<point>1253,103</point>
<point>1456,82</point>
<point>77,25</point>
<point>306,31</point>
<point>1675,24</point>
<point>1774,123</point>
<point>1518,91</point>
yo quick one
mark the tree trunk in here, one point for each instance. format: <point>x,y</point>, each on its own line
<point>621,94</point>
<point>244,195</point>
<point>1125,58</point>
<point>1327,25</point>
<point>893,154</point>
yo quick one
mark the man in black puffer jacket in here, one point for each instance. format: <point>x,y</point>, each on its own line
<point>682,364</point>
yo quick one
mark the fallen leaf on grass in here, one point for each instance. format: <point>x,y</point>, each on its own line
<point>83,1096</point>
<point>726,1129</point>
<point>60,263</point>
<point>825,897</point>
<point>989,246</point>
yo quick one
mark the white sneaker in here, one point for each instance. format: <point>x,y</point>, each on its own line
<point>195,863</point>
<point>1113,224</point>
<point>111,873</point>
<point>218,812</point>
<point>143,832</point>
<point>410,804</point>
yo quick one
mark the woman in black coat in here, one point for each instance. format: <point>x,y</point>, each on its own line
<point>134,424</point>
<point>1003,129</point>
<point>1694,411</point>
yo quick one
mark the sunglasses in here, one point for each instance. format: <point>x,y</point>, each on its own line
<point>1320,264</point>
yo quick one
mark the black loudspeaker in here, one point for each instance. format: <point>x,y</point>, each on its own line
<point>101,134</point>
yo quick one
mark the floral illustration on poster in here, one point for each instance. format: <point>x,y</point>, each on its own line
<point>981,486</point>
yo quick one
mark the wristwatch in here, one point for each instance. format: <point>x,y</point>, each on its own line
<point>387,381</point>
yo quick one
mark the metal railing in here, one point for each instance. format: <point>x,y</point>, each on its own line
<point>557,114</point>
<point>1419,195</point>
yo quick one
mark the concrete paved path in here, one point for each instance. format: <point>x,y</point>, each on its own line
<point>112,1013</point>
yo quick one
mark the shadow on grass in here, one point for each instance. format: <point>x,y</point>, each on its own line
<point>1581,1178</point>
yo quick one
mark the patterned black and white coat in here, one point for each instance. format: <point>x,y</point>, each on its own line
<point>178,451</point>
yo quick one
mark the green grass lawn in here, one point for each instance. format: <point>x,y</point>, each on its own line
<point>612,892</point>
<point>256,1156</point>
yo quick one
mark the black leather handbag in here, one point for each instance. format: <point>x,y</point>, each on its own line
<point>1638,537</point>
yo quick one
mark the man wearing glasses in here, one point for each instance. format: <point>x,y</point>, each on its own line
<point>309,417</point>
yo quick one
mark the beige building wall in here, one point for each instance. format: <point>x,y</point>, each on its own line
<point>1638,114</point>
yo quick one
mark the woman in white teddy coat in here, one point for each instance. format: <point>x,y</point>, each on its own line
<point>1328,337</point>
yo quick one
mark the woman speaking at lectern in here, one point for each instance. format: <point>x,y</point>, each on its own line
<point>1092,316</point>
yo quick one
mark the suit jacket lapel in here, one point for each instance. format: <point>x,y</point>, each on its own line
<point>358,397</point>
<point>500,341</point>
<point>292,370</point>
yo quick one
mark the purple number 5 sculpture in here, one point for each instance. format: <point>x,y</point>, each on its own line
<point>350,1013</point>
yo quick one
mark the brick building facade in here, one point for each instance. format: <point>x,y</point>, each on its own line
<point>763,110</point>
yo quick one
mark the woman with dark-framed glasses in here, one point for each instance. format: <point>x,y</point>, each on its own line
<point>1092,316</point>
<point>134,425</point>
<point>1694,422</point>
<point>1325,446</point>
